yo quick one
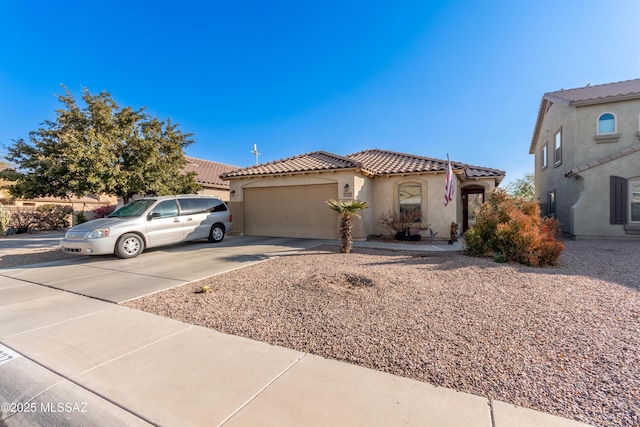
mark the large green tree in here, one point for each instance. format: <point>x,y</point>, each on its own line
<point>522,188</point>
<point>101,148</point>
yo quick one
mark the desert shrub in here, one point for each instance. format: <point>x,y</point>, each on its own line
<point>512,230</point>
<point>52,217</point>
<point>399,223</point>
<point>23,219</point>
<point>42,218</point>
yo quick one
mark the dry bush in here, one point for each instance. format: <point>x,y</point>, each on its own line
<point>512,230</point>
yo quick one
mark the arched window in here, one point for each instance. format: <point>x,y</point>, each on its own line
<point>410,199</point>
<point>606,123</point>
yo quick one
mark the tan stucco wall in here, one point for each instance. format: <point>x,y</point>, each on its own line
<point>579,147</point>
<point>590,212</point>
<point>222,194</point>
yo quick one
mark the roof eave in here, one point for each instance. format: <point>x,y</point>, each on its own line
<point>544,104</point>
<point>606,100</point>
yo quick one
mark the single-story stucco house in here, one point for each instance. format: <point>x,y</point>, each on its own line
<point>287,198</point>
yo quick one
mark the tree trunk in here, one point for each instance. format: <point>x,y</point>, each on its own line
<point>345,233</point>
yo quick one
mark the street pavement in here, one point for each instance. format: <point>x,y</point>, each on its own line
<point>70,355</point>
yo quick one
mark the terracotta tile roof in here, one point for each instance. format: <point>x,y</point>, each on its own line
<point>482,172</point>
<point>316,161</point>
<point>208,172</point>
<point>628,89</point>
<point>382,162</point>
<point>374,162</point>
<point>602,160</point>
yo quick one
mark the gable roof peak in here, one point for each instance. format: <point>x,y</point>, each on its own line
<point>313,161</point>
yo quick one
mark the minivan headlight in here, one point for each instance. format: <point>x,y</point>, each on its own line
<point>98,233</point>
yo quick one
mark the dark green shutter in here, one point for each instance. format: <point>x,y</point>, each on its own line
<point>618,200</point>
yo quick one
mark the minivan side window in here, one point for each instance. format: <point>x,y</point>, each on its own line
<point>166,208</point>
<point>217,206</point>
<point>201,205</point>
<point>192,206</point>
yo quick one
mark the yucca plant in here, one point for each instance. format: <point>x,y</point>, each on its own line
<point>347,208</point>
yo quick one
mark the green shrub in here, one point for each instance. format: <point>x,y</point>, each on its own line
<point>511,230</point>
<point>81,217</point>
<point>4,220</point>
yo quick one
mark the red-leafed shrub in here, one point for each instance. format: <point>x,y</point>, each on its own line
<point>102,211</point>
<point>512,230</point>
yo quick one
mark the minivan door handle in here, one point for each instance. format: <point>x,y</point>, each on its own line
<point>176,220</point>
<point>189,219</point>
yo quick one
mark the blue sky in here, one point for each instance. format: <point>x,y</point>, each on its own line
<point>422,77</point>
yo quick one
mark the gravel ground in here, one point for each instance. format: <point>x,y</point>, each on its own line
<point>562,340</point>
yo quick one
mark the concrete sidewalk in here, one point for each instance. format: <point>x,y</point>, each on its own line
<point>67,359</point>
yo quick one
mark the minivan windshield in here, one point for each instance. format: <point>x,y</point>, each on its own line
<point>132,209</point>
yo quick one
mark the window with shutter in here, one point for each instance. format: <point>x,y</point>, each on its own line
<point>618,200</point>
<point>634,200</point>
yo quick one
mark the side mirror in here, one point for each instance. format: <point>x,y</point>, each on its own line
<point>153,215</point>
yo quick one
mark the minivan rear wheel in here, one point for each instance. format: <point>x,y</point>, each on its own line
<point>129,245</point>
<point>216,234</point>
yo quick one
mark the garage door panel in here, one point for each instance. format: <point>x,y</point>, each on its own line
<point>291,211</point>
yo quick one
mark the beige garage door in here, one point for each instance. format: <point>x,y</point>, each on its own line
<point>292,211</point>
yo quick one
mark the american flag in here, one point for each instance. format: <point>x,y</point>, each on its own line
<point>448,185</point>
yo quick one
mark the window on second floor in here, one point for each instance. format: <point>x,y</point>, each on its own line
<point>606,123</point>
<point>544,156</point>
<point>557,153</point>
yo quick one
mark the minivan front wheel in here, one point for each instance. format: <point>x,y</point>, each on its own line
<point>216,234</point>
<point>129,245</point>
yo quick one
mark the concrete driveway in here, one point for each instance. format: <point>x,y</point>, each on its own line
<point>117,280</point>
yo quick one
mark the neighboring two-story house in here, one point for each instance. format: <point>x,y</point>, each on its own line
<point>586,144</point>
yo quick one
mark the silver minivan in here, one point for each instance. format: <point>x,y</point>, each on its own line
<point>150,222</point>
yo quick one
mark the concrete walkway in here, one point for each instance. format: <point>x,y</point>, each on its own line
<point>69,359</point>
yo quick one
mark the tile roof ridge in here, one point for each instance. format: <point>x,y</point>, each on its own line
<point>299,156</point>
<point>337,156</point>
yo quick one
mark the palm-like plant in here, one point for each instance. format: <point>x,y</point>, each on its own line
<point>347,208</point>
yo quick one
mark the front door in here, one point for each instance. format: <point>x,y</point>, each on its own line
<point>472,199</point>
